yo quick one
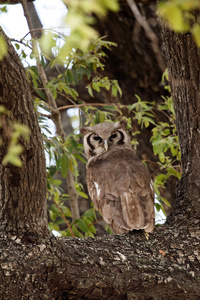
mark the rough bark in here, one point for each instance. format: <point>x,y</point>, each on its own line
<point>23,189</point>
<point>183,58</point>
<point>109,267</point>
<point>166,266</point>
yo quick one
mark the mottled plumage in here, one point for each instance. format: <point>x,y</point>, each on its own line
<point>118,182</point>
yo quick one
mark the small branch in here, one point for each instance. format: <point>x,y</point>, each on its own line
<point>31,32</point>
<point>91,104</point>
<point>149,32</point>
<point>96,222</point>
<point>20,42</point>
<point>67,97</point>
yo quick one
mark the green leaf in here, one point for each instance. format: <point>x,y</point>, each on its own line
<point>80,158</point>
<point>196,33</point>
<point>82,225</point>
<point>52,215</point>
<point>107,228</point>
<point>158,206</point>
<point>90,90</point>
<point>12,156</point>
<point>89,234</point>
<point>173,13</point>
<point>90,214</point>
<point>77,232</point>
<point>112,108</point>
<point>41,94</point>
<point>47,42</point>
<point>66,211</point>
<point>114,90</point>
<point>97,115</point>
<point>161,157</point>
<point>95,86</point>
<point>64,165</point>
<point>4,9</point>
<point>3,47</point>
<point>173,172</point>
<point>165,201</point>
<point>82,194</point>
<point>101,117</point>
<point>160,178</point>
<point>156,189</point>
<point>91,227</point>
<point>56,182</point>
<point>53,226</point>
<point>17,46</point>
<point>3,109</point>
<point>70,76</point>
<point>55,210</point>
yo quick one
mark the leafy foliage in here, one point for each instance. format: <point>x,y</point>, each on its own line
<point>3,47</point>
<point>180,15</point>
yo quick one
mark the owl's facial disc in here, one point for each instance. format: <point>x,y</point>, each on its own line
<point>97,138</point>
<point>101,141</point>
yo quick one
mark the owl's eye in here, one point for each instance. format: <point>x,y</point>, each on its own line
<point>113,136</point>
<point>97,138</point>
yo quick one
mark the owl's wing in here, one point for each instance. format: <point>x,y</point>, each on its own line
<point>120,187</point>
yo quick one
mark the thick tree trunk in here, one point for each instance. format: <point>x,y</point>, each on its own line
<point>166,266</point>
<point>22,190</point>
<point>183,58</point>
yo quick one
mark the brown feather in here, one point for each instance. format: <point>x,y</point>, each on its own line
<point>120,187</point>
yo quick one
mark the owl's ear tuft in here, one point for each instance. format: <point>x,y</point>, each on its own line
<point>85,130</point>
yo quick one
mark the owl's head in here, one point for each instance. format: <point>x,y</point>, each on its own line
<point>103,137</point>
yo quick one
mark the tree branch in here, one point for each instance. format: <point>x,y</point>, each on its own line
<point>91,104</point>
<point>109,267</point>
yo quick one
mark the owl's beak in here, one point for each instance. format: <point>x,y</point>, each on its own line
<point>105,144</point>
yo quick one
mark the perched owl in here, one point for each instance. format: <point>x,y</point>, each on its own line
<point>118,182</point>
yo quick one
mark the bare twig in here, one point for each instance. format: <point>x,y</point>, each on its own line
<point>149,32</point>
<point>96,222</point>
<point>20,42</point>
<point>55,112</point>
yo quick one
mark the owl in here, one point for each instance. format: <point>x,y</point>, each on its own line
<point>119,184</point>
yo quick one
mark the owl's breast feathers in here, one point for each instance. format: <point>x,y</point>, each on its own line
<point>120,187</point>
